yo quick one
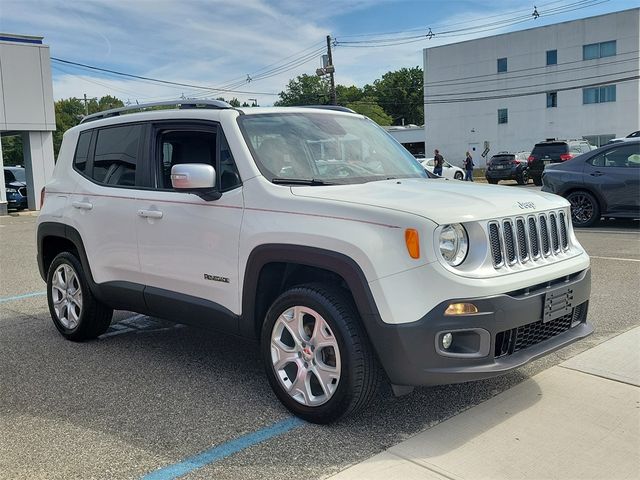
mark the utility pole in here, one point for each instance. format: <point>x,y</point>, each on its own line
<point>330,70</point>
<point>86,105</point>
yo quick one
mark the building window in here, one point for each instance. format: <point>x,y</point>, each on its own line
<point>552,99</point>
<point>552,57</point>
<point>599,94</point>
<point>502,65</point>
<point>503,115</point>
<point>599,50</point>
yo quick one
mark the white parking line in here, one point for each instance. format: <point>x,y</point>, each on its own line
<point>616,258</point>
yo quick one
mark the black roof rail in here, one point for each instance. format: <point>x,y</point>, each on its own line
<point>181,104</point>
<point>337,108</point>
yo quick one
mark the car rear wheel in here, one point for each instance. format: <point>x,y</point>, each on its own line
<point>523,178</point>
<point>585,210</point>
<point>537,181</point>
<point>458,176</point>
<point>75,312</point>
<point>317,356</point>
<point>492,181</point>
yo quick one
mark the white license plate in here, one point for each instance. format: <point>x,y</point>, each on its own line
<point>547,162</point>
<point>501,167</point>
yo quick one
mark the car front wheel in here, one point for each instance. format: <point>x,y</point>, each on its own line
<point>585,210</point>
<point>523,178</point>
<point>75,312</point>
<point>317,356</point>
<point>458,176</point>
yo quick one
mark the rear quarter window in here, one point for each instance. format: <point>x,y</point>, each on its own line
<point>82,151</point>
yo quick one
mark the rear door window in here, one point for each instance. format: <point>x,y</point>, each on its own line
<point>625,156</point>
<point>116,155</point>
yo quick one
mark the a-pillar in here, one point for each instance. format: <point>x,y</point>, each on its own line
<point>38,163</point>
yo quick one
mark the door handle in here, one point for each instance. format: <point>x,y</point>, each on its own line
<point>82,205</point>
<point>596,174</point>
<point>150,213</point>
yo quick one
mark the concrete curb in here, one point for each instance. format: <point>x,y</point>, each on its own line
<point>579,419</point>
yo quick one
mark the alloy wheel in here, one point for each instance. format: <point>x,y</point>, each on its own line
<point>581,208</point>
<point>67,296</point>
<point>305,356</point>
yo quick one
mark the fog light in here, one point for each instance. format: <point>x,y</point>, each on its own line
<point>447,339</point>
<point>461,309</point>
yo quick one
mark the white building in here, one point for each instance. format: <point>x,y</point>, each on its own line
<point>507,92</point>
<point>26,109</point>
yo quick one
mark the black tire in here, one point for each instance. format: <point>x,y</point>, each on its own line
<point>359,375</point>
<point>537,181</point>
<point>585,210</point>
<point>94,318</point>
<point>458,175</point>
<point>492,181</point>
<point>523,178</point>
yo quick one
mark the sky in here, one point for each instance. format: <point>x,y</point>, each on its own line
<point>220,45</point>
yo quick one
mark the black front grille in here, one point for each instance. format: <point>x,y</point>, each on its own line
<point>494,240</point>
<point>544,236</point>
<point>516,339</point>
<point>533,235</point>
<point>555,241</point>
<point>510,247</point>
<point>522,240</point>
<point>563,231</point>
<point>23,191</point>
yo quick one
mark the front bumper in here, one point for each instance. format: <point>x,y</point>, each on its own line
<point>511,328</point>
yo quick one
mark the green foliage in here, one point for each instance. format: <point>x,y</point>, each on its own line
<point>346,95</point>
<point>12,150</point>
<point>305,90</point>
<point>367,106</point>
<point>401,95</point>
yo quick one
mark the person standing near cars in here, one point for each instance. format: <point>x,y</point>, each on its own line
<point>468,168</point>
<point>438,161</point>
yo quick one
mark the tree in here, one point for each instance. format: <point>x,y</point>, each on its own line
<point>368,107</point>
<point>12,150</point>
<point>401,94</point>
<point>346,95</point>
<point>305,90</point>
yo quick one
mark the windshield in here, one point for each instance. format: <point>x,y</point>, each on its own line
<point>14,175</point>
<point>325,148</point>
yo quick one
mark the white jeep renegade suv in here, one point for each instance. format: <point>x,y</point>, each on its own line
<point>314,232</point>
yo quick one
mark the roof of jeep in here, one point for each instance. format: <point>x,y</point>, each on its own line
<point>118,116</point>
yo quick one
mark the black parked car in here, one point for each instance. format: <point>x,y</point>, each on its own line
<point>554,151</point>
<point>15,182</point>
<point>508,166</point>
<point>601,183</point>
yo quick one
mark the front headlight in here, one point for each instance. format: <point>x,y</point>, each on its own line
<point>454,244</point>
<point>11,190</point>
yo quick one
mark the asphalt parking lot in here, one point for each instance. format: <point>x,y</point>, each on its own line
<point>157,399</point>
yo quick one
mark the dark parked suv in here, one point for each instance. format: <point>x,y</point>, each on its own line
<point>602,183</point>
<point>554,151</point>
<point>508,166</point>
<point>16,184</point>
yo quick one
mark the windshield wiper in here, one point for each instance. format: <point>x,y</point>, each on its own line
<point>299,181</point>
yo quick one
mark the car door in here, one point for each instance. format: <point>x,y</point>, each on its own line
<point>102,206</point>
<point>189,245</point>
<point>615,174</point>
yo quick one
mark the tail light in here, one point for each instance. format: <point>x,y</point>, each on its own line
<point>566,156</point>
<point>42,193</point>
<point>530,159</point>
<point>514,162</point>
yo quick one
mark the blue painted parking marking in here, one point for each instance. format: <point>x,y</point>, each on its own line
<point>20,297</point>
<point>220,452</point>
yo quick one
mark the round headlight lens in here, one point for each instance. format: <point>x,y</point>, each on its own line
<point>454,244</point>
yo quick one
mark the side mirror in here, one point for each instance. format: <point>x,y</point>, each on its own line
<point>198,178</point>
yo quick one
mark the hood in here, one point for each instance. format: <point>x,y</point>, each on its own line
<point>442,201</point>
<point>16,184</point>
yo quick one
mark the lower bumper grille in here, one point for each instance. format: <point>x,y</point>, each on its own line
<point>516,339</point>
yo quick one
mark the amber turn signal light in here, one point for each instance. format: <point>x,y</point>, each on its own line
<point>461,309</point>
<point>412,239</point>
